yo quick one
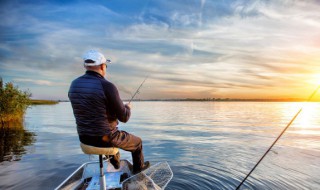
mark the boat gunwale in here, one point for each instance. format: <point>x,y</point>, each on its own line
<point>73,173</point>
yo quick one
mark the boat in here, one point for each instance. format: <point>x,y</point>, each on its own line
<point>87,176</point>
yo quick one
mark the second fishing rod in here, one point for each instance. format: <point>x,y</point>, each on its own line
<point>276,140</point>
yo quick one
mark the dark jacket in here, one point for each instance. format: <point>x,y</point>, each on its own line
<point>96,104</point>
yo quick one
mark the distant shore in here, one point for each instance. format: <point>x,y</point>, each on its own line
<point>43,102</point>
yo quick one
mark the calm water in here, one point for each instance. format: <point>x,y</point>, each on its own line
<point>209,145</point>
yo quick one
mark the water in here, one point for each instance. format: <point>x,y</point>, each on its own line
<point>209,145</point>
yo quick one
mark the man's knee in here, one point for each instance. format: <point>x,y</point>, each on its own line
<point>139,141</point>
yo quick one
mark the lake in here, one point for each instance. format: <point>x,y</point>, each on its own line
<point>209,145</point>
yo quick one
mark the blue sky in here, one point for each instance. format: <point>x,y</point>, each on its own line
<point>190,49</point>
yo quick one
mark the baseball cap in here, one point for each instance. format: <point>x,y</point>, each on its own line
<point>95,57</point>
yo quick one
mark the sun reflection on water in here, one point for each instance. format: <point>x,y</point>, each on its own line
<point>304,133</point>
<point>306,122</point>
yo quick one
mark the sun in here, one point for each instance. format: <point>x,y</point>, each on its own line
<point>314,79</point>
<point>314,82</point>
<point>317,95</point>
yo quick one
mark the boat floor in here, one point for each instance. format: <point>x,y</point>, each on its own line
<point>87,176</point>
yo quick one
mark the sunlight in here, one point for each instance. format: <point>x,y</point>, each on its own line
<point>315,79</point>
<point>305,123</point>
<point>314,82</point>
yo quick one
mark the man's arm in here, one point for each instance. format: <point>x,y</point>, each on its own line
<point>122,111</point>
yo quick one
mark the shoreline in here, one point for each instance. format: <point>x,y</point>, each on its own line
<point>43,102</point>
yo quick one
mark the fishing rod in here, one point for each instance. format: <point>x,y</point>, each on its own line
<point>137,91</point>
<point>291,121</point>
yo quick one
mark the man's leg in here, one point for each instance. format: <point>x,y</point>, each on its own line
<point>132,143</point>
<point>115,160</point>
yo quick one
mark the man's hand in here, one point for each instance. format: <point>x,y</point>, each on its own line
<point>128,105</point>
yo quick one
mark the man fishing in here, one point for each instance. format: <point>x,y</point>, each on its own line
<point>97,108</point>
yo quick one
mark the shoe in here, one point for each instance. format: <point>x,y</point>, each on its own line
<point>123,177</point>
<point>115,164</point>
<point>146,165</point>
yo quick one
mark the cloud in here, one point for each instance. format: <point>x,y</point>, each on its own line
<point>197,48</point>
<point>40,82</point>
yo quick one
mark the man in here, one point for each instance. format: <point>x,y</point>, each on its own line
<point>97,108</point>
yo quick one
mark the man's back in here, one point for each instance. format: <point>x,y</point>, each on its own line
<point>91,106</point>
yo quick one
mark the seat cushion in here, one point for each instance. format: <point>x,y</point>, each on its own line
<point>87,149</point>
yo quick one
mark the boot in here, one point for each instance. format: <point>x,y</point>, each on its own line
<point>146,165</point>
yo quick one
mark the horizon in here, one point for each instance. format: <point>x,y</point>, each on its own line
<point>190,49</point>
<point>206,100</point>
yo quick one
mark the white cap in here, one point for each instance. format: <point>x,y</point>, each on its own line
<point>96,57</point>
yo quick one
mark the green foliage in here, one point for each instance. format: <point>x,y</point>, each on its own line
<point>14,102</point>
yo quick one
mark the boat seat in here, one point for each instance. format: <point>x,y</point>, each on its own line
<point>108,151</point>
<point>87,149</point>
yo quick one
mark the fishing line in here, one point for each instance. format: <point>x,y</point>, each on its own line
<point>310,97</point>
<point>137,91</point>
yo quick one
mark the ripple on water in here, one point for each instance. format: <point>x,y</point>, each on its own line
<point>209,145</point>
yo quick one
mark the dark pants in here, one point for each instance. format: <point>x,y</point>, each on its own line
<point>131,143</point>
<point>123,140</point>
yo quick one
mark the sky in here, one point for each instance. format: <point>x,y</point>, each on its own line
<point>189,48</point>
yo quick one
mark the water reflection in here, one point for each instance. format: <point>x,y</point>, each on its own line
<point>13,139</point>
